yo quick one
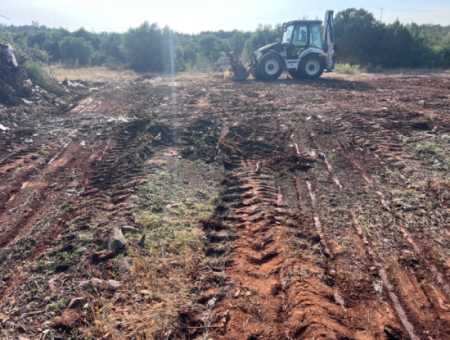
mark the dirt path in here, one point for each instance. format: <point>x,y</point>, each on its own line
<point>323,209</point>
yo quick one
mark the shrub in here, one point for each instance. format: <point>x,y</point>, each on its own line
<point>73,49</point>
<point>373,69</point>
<point>34,72</point>
<point>143,48</point>
<point>346,68</point>
<point>98,59</point>
<point>130,73</point>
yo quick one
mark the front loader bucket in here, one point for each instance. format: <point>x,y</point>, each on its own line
<point>239,70</point>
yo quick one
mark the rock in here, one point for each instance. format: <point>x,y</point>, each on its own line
<point>128,229</point>
<point>97,283</point>
<point>142,242</point>
<point>332,272</point>
<point>116,240</point>
<point>76,302</point>
<point>409,208</point>
<point>23,310</point>
<point>102,256</point>
<point>4,252</point>
<point>124,265</point>
<point>62,268</point>
<point>22,338</point>
<point>113,284</point>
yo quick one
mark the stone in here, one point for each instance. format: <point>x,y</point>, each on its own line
<point>113,284</point>
<point>124,265</point>
<point>116,240</point>
<point>22,338</point>
<point>97,283</point>
<point>102,256</point>
<point>4,252</point>
<point>76,302</point>
<point>23,310</point>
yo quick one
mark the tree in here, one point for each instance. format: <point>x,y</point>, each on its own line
<point>73,49</point>
<point>94,39</point>
<point>143,48</point>
<point>111,46</point>
<point>264,35</point>
<point>237,42</point>
<point>358,35</point>
<point>209,47</point>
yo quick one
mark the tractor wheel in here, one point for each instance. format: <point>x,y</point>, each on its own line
<point>270,66</point>
<point>310,67</point>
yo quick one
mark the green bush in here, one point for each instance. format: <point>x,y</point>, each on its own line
<point>34,72</point>
<point>373,69</point>
<point>73,49</point>
<point>346,68</point>
<point>98,59</point>
<point>129,73</point>
<point>143,48</point>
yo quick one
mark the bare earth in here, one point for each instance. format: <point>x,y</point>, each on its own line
<point>271,210</point>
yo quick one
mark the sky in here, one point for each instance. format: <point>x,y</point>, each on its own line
<point>193,16</point>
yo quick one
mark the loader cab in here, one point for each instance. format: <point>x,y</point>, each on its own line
<point>301,35</point>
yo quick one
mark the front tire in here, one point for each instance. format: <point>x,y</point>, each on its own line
<point>310,67</point>
<point>270,66</point>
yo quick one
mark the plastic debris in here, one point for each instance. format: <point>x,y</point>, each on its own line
<point>212,302</point>
<point>3,128</point>
<point>56,104</point>
<point>71,192</point>
<point>29,141</point>
<point>24,113</point>
<point>57,121</point>
<point>84,284</point>
<point>8,50</point>
<point>83,143</point>
<point>93,89</point>
<point>378,289</point>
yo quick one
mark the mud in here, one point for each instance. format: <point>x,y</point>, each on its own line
<point>331,219</point>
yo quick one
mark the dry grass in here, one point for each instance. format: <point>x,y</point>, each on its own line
<point>152,301</point>
<point>101,74</point>
<point>104,74</point>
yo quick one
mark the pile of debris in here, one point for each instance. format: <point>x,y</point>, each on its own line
<point>12,77</point>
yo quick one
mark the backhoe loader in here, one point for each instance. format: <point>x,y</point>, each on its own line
<point>303,51</point>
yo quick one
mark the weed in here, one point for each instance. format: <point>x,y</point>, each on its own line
<point>389,174</point>
<point>332,155</point>
<point>44,152</point>
<point>427,149</point>
<point>346,68</point>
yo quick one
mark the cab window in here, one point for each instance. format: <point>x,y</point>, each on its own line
<point>288,34</point>
<point>315,39</point>
<point>300,37</point>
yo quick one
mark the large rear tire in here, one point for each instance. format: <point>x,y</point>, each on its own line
<point>310,67</point>
<point>270,66</point>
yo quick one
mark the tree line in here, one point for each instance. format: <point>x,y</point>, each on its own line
<point>360,37</point>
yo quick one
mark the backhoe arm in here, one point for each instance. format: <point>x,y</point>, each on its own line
<point>328,39</point>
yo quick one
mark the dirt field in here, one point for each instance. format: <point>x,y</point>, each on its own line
<point>263,210</point>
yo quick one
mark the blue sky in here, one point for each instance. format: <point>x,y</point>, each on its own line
<point>192,16</point>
